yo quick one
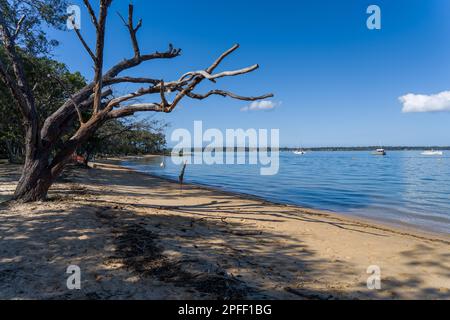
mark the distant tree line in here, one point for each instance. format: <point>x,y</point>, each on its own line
<point>370,148</point>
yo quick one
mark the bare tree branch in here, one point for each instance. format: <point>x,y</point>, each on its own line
<point>162,91</point>
<point>132,109</point>
<point>99,50</point>
<point>57,124</point>
<point>213,77</point>
<point>19,26</point>
<point>139,93</point>
<point>91,13</point>
<point>110,81</point>
<point>222,56</point>
<point>71,98</point>
<point>135,61</point>
<point>227,94</point>
<point>185,85</point>
<point>198,77</point>
<point>83,42</point>
<point>132,29</point>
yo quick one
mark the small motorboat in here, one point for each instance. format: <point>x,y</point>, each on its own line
<point>432,153</point>
<point>299,152</point>
<point>379,152</point>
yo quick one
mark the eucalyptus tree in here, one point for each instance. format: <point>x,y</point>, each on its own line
<point>21,27</point>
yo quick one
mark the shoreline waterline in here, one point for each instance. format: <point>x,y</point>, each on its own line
<point>402,188</point>
<point>385,225</point>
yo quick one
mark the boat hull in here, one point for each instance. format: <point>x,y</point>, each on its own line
<point>432,153</point>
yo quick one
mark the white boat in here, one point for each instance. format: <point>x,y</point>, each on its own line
<point>432,153</point>
<point>379,152</point>
<point>299,152</point>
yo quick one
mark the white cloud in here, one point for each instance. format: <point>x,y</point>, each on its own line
<point>426,103</point>
<point>261,105</point>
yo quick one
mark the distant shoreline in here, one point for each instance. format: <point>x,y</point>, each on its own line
<point>286,149</point>
<point>406,148</point>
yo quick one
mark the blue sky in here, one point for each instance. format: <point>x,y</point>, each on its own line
<point>336,83</point>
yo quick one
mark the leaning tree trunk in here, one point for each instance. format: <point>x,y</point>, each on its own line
<point>36,176</point>
<point>39,173</point>
<point>35,181</point>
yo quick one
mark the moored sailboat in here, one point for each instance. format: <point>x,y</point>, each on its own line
<point>432,153</point>
<point>379,152</point>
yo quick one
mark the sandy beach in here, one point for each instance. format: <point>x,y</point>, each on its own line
<point>139,237</point>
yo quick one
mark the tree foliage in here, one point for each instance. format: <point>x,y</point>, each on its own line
<point>27,19</point>
<point>123,138</point>
<point>52,85</point>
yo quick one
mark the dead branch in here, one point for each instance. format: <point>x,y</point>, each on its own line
<point>213,77</point>
<point>184,86</point>
<point>227,94</point>
<point>91,13</point>
<point>132,29</point>
<point>83,42</point>
<point>139,93</point>
<point>133,108</point>
<point>222,56</point>
<point>162,90</point>
<point>71,98</point>
<point>130,80</point>
<point>99,51</point>
<point>19,27</point>
<point>135,61</point>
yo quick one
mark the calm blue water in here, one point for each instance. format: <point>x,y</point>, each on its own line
<point>401,188</point>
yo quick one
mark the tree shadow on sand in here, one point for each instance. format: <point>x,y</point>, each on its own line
<point>121,255</point>
<point>176,252</point>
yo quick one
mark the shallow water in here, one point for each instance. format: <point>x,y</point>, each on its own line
<point>400,188</point>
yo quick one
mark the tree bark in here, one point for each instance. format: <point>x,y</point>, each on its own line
<point>35,181</point>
